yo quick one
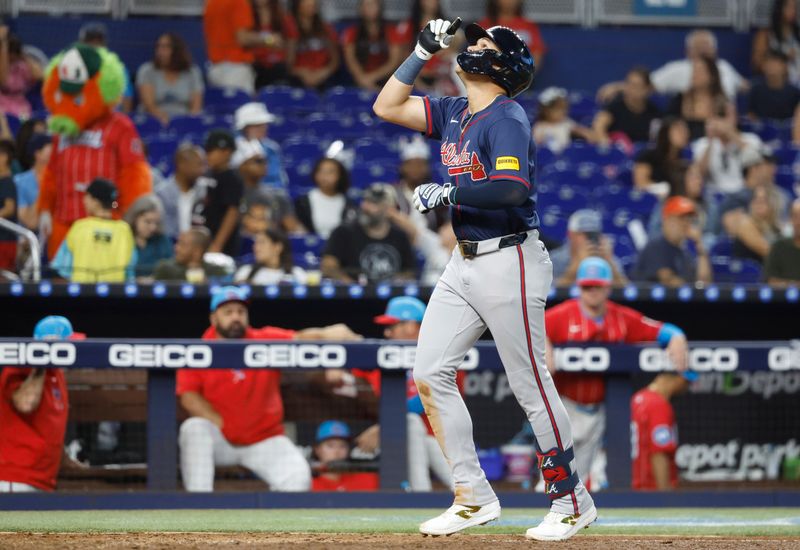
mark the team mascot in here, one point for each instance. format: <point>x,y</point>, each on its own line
<point>82,88</point>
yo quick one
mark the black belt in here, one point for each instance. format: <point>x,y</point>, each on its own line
<point>469,249</point>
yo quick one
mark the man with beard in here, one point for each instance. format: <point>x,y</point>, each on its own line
<point>236,416</point>
<point>371,248</point>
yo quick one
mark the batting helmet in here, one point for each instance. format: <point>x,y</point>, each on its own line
<point>511,68</point>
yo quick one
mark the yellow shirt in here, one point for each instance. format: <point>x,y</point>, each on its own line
<point>97,250</point>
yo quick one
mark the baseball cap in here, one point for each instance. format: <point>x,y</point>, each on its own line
<point>585,221</point>
<point>678,206</point>
<point>77,66</point>
<point>331,429</point>
<point>93,32</point>
<point>104,191</point>
<point>53,327</point>
<point>251,114</point>
<point>228,294</point>
<point>379,193</point>
<point>551,94</point>
<point>247,149</point>
<point>752,156</point>
<point>415,148</point>
<point>36,142</point>
<point>402,308</point>
<point>594,271</point>
<point>220,138</point>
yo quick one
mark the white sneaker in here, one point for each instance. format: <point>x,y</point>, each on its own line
<point>557,526</point>
<point>459,517</point>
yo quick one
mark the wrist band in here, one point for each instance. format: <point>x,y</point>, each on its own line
<point>409,70</point>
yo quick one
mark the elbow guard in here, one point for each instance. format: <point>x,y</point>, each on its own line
<point>668,330</point>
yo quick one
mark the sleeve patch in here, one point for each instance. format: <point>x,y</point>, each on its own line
<point>662,435</point>
<point>506,163</point>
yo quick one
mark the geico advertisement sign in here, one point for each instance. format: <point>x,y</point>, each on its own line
<point>35,354</point>
<point>295,355</point>
<point>784,358</point>
<point>582,359</point>
<point>402,357</point>
<point>734,460</point>
<point>700,359</point>
<point>172,356</point>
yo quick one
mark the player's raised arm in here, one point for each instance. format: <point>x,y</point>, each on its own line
<point>394,103</point>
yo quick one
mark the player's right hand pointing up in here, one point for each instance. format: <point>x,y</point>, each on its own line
<point>437,35</point>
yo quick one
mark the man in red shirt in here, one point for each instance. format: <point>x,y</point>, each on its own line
<point>236,416</point>
<point>333,445</point>
<point>33,419</point>
<point>592,317</point>
<point>654,435</point>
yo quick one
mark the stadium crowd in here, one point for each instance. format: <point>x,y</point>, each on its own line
<point>269,166</point>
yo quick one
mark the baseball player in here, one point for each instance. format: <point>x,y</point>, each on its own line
<point>654,435</point>
<point>236,416</point>
<point>592,317</point>
<point>497,278</point>
<point>33,419</point>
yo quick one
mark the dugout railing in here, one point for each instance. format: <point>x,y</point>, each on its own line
<point>161,358</point>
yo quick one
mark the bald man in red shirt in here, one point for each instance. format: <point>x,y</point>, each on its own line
<point>236,416</point>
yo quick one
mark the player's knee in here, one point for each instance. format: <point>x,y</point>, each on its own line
<point>194,430</point>
<point>296,477</point>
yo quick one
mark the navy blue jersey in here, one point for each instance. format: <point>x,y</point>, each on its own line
<point>494,144</point>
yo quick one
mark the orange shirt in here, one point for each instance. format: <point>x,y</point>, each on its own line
<point>249,401</point>
<point>222,19</point>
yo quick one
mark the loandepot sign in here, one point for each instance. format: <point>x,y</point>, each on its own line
<point>665,8</point>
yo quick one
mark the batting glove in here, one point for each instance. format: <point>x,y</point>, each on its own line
<point>429,196</point>
<point>437,35</point>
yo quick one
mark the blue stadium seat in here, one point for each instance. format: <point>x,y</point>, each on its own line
<point>785,178</point>
<point>723,247</point>
<point>582,105</point>
<point>13,123</point>
<point>745,271</point>
<point>146,125</point>
<point>306,250</point>
<point>639,203</point>
<point>224,100</point>
<point>545,157</point>
<point>301,150</point>
<point>337,126</point>
<point>191,124</point>
<point>388,130</point>
<point>299,173</point>
<point>363,175</point>
<point>368,150</point>
<point>553,223</point>
<point>286,128</point>
<point>579,152</point>
<point>288,100</point>
<point>160,146</point>
<point>349,100</point>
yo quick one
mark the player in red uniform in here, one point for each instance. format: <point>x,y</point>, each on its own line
<point>33,419</point>
<point>654,435</point>
<point>237,415</point>
<point>592,317</point>
<point>333,445</point>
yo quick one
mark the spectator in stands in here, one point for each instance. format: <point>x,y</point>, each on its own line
<point>782,35</point>
<point>370,249</point>
<point>436,78</point>
<point>8,206</point>
<point>236,416</point>
<point>24,133</point>
<point>272,263</point>
<point>183,192</point>
<point>252,122</point>
<point>783,262</point>
<point>144,216</point>
<point>33,418</point>
<point>415,169</point>
<point>660,168</point>
<point>703,100</point>
<point>275,26</point>
<point>758,227</point>
<point>170,85</point>
<point>508,13</point>
<point>719,155</point>
<point>97,248</point>
<point>36,157</point>
<point>19,73</point>
<point>553,128</point>
<point>584,238</point>
<point>313,55</point>
<point>372,47</point>
<point>188,263</point>
<point>692,186</point>
<point>230,42</point>
<point>223,197</point>
<point>666,260</point>
<point>251,162</point>
<point>676,76</point>
<point>773,97</point>
<point>655,432</point>
<point>96,34</point>
<point>629,117</point>
<point>332,444</point>
<point>326,207</point>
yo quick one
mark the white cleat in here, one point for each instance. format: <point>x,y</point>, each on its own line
<point>459,517</point>
<point>557,526</point>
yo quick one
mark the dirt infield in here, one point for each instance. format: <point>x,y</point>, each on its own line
<point>106,541</point>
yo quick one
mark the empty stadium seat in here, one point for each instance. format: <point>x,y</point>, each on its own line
<point>368,150</point>
<point>286,127</point>
<point>288,100</point>
<point>363,175</point>
<point>224,100</point>
<point>579,152</point>
<point>349,127</point>
<point>190,124</point>
<point>300,150</point>
<point>146,125</point>
<point>553,222</point>
<point>306,250</point>
<point>349,100</point>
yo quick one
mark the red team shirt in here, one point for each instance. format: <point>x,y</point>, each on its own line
<point>312,52</point>
<point>653,430</point>
<point>31,445</point>
<point>249,401</point>
<point>75,162</point>
<point>566,323</point>
<point>360,481</point>
<point>379,49</point>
